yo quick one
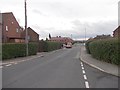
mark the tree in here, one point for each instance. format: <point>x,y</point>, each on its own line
<point>49,36</point>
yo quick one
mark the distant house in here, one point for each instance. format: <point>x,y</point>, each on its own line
<point>64,40</point>
<point>32,35</point>
<point>116,32</point>
<point>11,30</point>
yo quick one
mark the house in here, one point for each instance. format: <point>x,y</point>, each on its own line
<point>63,40</point>
<point>116,32</point>
<point>32,35</point>
<point>11,30</point>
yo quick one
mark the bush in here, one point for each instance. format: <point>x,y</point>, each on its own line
<point>107,50</point>
<point>46,46</point>
<point>17,50</point>
<point>87,46</point>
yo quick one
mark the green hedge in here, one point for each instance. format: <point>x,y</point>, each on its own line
<point>17,50</point>
<point>87,45</point>
<point>106,49</point>
<point>46,46</point>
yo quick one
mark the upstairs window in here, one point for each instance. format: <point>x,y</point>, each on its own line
<point>17,30</point>
<point>6,28</point>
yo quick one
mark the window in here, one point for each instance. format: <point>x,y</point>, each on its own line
<point>17,30</point>
<point>6,28</point>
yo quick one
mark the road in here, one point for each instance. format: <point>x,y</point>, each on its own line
<point>58,69</point>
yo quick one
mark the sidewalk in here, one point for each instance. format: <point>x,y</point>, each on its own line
<point>19,59</point>
<point>102,66</point>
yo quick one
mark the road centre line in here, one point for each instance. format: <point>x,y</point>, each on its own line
<point>82,68</point>
<point>85,77</point>
<point>87,84</point>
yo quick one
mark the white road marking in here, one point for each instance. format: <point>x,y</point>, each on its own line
<point>15,63</point>
<point>82,68</point>
<point>87,84</point>
<point>85,77</point>
<point>1,66</point>
<point>8,65</point>
<point>93,65</point>
<point>83,71</point>
<point>97,67</point>
<point>82,65</point>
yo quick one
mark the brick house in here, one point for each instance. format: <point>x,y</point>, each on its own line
<point>116,32</point>
<point>63,40</point>
<point>32,35</point>
<point>11,30</point>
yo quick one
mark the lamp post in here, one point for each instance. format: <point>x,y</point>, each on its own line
<point>26,31</point>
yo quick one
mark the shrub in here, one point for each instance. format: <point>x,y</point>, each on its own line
<point>46,46</point>
<point>17,50</point>
<point>87,46</point>
<point>106,49</point>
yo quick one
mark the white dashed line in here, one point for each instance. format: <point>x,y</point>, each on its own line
<point>8,65</point>
<point>85,77</point>
<point>87,84</point>
<point>82,68</point>
<point>83,71</point>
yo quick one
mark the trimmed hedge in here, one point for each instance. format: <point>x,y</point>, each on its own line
<point>106,50</point>
<point>46,46</point>
<point>18,50</point>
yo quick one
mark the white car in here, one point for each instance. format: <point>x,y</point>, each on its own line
<point>69,45</point>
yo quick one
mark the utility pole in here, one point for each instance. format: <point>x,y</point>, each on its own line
<point>26,36</point>
<point>85,33</point>
<point>71,36</point>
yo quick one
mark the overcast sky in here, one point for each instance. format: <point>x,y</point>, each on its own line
<point>66,17</point>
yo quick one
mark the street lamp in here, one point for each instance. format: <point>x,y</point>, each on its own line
<point>26,34</point>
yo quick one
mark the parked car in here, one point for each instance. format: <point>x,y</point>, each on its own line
<point>69,45</point>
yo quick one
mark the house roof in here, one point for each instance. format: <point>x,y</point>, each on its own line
<point>60,38</point>
<point>118,28</point>
<point>10,14</point>
<point>32,30</point>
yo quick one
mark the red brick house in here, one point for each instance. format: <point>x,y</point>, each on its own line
<point>11,30</point>
<point>116,32</point>
<point>64,40</point>
<point>32,35</point>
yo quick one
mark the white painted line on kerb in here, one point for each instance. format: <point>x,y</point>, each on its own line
<point>97,67</point>
<point>15,63</point>
<point>85,77</point>
<point>87,84</point>
<point>83,71</point>
<point>8,65</point>
<point>1,66</point>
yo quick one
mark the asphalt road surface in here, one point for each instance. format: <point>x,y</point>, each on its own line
<point>58,69</point>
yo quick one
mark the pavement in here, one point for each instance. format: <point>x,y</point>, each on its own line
<point>102,66</point>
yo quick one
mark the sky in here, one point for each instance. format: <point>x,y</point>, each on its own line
<point>66,18</point>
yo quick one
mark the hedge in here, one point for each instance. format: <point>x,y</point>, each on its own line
<point>18,50</point>
<point>46,46</point>
<point>106,50</point>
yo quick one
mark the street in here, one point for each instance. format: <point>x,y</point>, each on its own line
<point>57,69</point>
